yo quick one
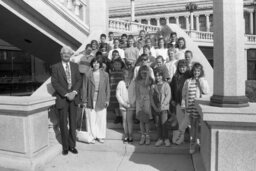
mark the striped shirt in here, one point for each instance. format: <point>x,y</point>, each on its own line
<point>192,89</point>
<point>115,77</point>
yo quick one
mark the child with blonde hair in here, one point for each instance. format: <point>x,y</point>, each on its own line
<point>125,94</point>
<point>143,83</point>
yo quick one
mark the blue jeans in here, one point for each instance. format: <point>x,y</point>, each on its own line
<point>160,119</point>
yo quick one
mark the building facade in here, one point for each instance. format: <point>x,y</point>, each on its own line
<point>33,32</point>
<point>199,22</point>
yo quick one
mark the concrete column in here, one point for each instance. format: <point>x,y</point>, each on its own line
<point>158,21</point>
<point>245,60</point>
<point>177,20</point>
<point>167,20</point>
<point>187,23</point>
<point>251,22</point>
<point>148,21</point>
<point>254,22</point>
<point>191,21</point>
<point>132,10</point>
<point>197,23</point>
<point>207,22</point>
<point>101,24</point>
<point>229,61</point>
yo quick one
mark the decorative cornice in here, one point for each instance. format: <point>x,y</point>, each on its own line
<point>79,24</point>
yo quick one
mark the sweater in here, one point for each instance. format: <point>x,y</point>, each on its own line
<point>126,95</point>
<point>160,96</point>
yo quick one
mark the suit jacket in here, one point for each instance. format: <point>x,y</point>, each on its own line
<point>88,90</point>
<point>60,84</point>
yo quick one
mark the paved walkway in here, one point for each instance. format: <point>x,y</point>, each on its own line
<point>102,157</point>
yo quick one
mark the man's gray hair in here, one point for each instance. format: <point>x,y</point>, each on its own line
<point>66,48</point>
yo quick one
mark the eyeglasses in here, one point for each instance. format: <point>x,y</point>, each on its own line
<point>145,59</point>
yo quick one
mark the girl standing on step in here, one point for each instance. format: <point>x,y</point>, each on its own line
<point>178,80</point>
<point>115,75</point>
<point>160,99</point>
<point>193,88</point>
<point>125,94</point>
<point>143,83</point>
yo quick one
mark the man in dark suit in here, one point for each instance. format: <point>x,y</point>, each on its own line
<point>66,80</point>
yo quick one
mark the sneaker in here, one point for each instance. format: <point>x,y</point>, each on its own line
<point>147,140</point>
<point>118,120</point>
<point>175,136</point>
<point>92,141</point>
<point>159,143</point>
<point>167,142</point>
<point>130,140</point>
<point>192,148</point>
<point>136,121</point>
<point>125,139</point>
<point>142,140</point>
<point>180,138</point>
<point>101,140</point>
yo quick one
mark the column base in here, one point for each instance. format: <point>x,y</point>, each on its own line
<point>229,101</point>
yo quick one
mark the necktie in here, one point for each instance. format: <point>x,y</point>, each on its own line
<point>68,74</point>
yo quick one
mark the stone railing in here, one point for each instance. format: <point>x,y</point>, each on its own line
<point>208,36</point>
<point>79,8</point>
<point>130,27</point>
<point>199,35</point>
<point>250,39</point>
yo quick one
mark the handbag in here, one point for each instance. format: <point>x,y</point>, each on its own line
<point>172,123</point>
<point>83,136</point>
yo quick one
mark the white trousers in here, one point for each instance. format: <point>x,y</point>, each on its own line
<point>96,122</point>
<point>183,118</point>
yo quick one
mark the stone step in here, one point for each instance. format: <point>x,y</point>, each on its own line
<point>113,142</point>
<point>117,134</point>
<point>112,125</point>
<point>119,146</point>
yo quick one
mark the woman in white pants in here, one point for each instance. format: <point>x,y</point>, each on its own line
<point>95,97</point>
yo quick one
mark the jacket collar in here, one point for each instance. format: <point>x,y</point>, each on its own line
<point>90,77</point>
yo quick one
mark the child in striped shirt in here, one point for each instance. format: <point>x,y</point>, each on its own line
<point>194,88</point>
<point>115,75</point>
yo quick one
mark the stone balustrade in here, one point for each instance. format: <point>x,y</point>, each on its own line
<point>121,26</point>
<point>130,27</point>
<point>200,35</point>
<point>250,38</point>
<point>77,7</point>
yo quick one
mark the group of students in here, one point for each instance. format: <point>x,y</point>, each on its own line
<point>134,79</point>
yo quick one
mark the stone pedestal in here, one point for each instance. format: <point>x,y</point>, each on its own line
<point>24,138</point>
<point>228,137</point>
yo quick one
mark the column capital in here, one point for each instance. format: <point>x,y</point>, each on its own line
<point>197,15</point>
<point>207,15</point>
<point>186,16</point>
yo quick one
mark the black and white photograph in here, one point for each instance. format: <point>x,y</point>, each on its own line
<point>127,85</point>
